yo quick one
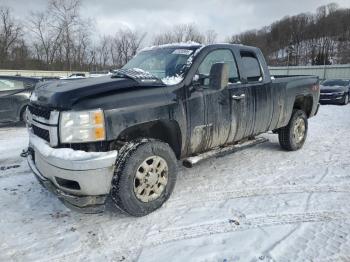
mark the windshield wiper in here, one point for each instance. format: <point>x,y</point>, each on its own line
<point>136,74</point>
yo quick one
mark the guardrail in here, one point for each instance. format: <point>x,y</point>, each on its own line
<point>39,73</point>
<point>323,72</point>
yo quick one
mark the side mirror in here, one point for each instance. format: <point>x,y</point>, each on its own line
<point>198,81</point>
<point>218,78</point>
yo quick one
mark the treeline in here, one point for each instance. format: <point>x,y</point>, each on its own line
<point>304,39</point>
<point>60,39</point>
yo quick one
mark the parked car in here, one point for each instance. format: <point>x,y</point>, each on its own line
<point>14,97</point>
<point>74,76</point>
<point>100,73</point>
<point>335,91</point>
<point>169,103</point>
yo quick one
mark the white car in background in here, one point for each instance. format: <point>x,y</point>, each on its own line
<point>100,73</point>
<point>74,76</point>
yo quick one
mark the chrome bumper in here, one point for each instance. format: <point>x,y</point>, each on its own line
<point>82,182</point>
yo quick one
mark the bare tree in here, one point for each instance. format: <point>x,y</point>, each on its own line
<point>193,34</point>
<point>46,36</point>
<point>10,34</point>
<point>66,13</point>
<point>332,8</point>
<point>180,33</point>
<point>164,38</point>
<point>210,37</point>
<point>125,45</point>
<point>118,50</point>
<point>104,51</point>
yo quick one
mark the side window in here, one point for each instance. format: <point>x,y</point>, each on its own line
<point>251,66</point>
<point>6,85</point>
<point>219,56</point>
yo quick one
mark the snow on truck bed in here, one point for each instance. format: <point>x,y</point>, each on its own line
<point>261,204</point>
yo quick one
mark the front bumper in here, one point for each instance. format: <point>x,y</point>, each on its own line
<point>331,98</point>
<point>82,180</point>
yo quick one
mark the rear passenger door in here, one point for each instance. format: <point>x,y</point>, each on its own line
<point>252,98</point>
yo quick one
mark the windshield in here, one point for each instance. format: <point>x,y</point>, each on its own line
<point>168,64</point>
<point>335,83</point>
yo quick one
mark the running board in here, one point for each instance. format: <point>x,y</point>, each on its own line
<point>218,152</point>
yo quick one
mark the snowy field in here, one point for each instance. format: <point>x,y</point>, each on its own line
<point>261,204</point>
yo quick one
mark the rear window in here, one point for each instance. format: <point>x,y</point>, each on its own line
<point>7,84</point>
<point>251,66</point>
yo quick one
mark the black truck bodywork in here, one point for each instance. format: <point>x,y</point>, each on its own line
<point>191,119</point>
<point>189,116</point>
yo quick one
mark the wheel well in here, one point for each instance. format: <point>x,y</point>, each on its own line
<point>304,103</point>
<point>24,107</point>
<point>167,131</point>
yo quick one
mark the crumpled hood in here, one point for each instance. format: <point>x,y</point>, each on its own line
<point>63,94</point>
<point>332,89</point>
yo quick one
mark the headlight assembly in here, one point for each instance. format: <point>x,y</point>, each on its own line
<point>82,126</point>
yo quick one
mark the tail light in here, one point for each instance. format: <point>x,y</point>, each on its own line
<point>315,87</point>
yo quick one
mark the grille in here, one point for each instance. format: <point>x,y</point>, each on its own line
<point>102,146</point>
<point>39,111</point>
<point>326,95</point>
<point>42,133</point>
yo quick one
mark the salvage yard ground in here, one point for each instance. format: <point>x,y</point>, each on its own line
<point>260,204</point>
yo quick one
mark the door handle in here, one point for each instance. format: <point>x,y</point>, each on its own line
<point>240,97</point>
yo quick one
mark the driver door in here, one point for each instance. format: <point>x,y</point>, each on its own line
<point>210,109</point>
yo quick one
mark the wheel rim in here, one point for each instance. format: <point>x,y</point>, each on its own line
<point>299,130</point>
<point>151,179</point>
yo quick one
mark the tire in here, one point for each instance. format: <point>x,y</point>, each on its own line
<point>23,116</point>
<point>345,100</point>
<point>291,137</point>
<point>126,186</point>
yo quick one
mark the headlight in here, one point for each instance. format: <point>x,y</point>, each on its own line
<point>340,93</point>
<point>82,126</point>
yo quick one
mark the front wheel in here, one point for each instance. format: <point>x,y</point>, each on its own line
<point>145,176</point>
<point>292,137</point>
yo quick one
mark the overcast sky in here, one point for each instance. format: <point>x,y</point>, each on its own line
<point>226,17</point>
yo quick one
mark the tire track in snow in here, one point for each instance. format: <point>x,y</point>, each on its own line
<point>204,196</point>
<point>189,232</point>
<point>195,198</point>
<point>199,197</point>
<point>165,236</point>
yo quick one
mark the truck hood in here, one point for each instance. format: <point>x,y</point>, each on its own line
<point>63,94</point>
<point>332,89</point>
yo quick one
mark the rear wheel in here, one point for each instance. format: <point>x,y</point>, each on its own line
<point>292,137</point>
<point>145,176</point>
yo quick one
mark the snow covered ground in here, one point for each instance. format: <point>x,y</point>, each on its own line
<point>261,204</point>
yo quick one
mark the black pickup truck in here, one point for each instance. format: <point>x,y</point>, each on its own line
<point>122,135</point>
